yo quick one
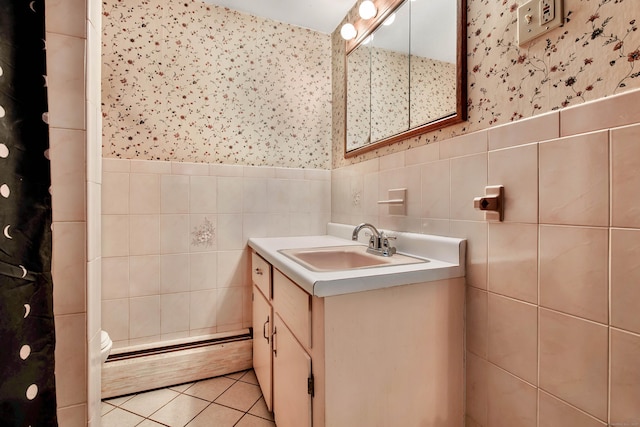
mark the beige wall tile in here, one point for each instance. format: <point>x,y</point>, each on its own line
<point>116,165</point>
<point>144,320</point>
<point>174,233</point>
<point>511,402</point>
<point>464,145</point>
<point>115,193</point>
<point>115,235</point>
<point>203,192</point>
<point>436,190</point>
<point>174,312</point>
<point>476,321</point>
<point>66,17</point>
<point>144,234</point>
<point>230,303</point>
<point>574,180</point>
<point>202,309</point>
<point>613,111</point>
<point>115,277</point>
<point>150,166</point>
<point>144,275</point>
<point>513,260</point>
<point>392,161</point>
<point>625,176</point>
<point>625,277</point>
<point>517,169</point>
<point>188,168</point>
<point>468,180</point>
<point>513,336</point>
<point>144,193</point>
<point>174,273</point>
<point>67,156</point>
<point>470,422</point>
<point>573,361</point>
<point>230,232</point>
<point>423,154</point>
<point>476,388</point>
<point>556,413</point>
<point>280,193</point>
<point>69,267</point>
<point>204,268</point>
<point>533,129</point>
<point>574,271</point>
<point>254,195</point>
<point>439,227</point>
<point>71,359</point>
<point>174,194</point>
<point>625,378</point>
<point>66,81</point>
<point>73,416</point>
<point>476,257</point>
<point>115,319</point>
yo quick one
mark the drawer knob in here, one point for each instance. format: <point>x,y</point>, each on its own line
<point>259,271</point>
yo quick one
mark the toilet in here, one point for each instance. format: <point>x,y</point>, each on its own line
<point>105,345</point>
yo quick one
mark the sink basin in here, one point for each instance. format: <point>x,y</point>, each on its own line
<point>336,258</point>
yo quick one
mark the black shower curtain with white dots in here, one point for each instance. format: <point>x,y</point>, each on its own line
<point>27,339</point>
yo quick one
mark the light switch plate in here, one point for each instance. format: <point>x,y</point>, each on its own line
<point>536,17</point>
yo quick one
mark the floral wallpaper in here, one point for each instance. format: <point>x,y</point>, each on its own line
<point>595,54</point>
<point>433,85</point>
<point>389,93</point>
<point>187,81</point>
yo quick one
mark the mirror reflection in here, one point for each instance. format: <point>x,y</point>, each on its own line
<point>390,75</point>
<point>406,77</point>
<point>433,60</point>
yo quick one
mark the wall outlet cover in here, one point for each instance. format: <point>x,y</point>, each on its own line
<point>536,17</point>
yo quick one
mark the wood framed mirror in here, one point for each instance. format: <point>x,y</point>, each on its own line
<point>405,73</point>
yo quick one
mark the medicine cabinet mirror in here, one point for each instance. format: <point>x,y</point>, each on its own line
<point>405,72</point>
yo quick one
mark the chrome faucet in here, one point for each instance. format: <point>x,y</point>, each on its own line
<point>378,241</point>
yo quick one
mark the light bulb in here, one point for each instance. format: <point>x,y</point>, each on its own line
<point>390,19</point>
<point>367,10</point>
<point>368,39</point>
<point>348,31</point>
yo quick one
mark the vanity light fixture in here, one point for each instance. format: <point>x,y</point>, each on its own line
<point>348,31</point>
<point>389,20</point>
<point>367,10</point>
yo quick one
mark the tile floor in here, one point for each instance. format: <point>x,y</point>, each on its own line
<point>229,400</point>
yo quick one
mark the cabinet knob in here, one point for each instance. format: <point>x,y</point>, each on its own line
<point>259,271</point>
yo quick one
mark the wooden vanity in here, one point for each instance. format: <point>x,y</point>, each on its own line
<point>389,356</point>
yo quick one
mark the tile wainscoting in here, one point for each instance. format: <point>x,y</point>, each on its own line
<point>175,262</point>
<point>552,333</point>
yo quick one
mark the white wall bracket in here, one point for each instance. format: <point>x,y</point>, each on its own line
<point>397,201</point>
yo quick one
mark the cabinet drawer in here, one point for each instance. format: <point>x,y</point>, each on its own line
<point>261,274</point>
<point>294,306</point>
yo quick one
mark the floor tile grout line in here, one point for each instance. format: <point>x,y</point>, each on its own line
<point>184,392</point>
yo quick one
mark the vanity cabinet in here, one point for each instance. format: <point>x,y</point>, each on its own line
<point>383,357</point>
<point>262,325</point>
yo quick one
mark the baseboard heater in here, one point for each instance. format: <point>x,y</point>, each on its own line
<point>141,369</point>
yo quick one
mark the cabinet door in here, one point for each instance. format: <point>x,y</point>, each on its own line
<point>291,373</point>
<point>262,324</point>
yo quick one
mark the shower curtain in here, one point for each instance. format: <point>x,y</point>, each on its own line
<point>27,340</point>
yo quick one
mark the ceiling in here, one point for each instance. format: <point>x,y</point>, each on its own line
<point>318,15</point>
